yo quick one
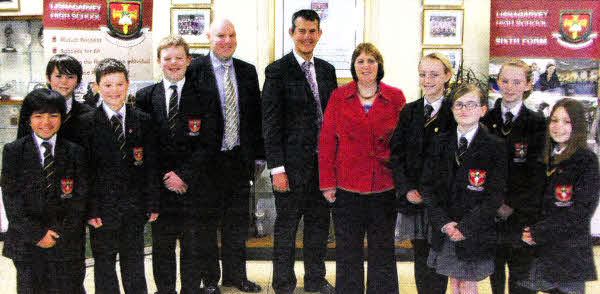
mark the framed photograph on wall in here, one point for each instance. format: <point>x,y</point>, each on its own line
<point>191,2</point>
<point>192,24</point>
<point>9,5</point>
<point>454,55</point>
<point>442,2</point>
<point>443,27</point>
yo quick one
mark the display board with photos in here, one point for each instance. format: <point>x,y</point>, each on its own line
<point>192,23</point>
<point>443,27</point>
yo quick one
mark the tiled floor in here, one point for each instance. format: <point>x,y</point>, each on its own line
<point>261,272</point>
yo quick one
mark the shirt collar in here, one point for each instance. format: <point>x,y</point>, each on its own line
<point>301,59</point>
<point>515,110</point>
<point>469,135</point>
<point>216,62</point>
<point>167,84</point>
<point>109,112</point>
<point>39,141</point>
<point>436,104</point>
<point>69,103</point>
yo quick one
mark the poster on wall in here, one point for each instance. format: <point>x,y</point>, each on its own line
<point>91,30</point>
<point>558,39</point>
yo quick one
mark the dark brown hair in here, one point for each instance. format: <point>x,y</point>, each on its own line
<point>578,137</point>
<point>465,89</point>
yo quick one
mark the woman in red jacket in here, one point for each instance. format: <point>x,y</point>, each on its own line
<point>353,171</point>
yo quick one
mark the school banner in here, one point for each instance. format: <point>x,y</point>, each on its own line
<point>91,30</point>
<point>558,38</point>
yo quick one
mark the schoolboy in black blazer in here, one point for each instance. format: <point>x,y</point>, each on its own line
<point>45,185</point>
<point>184,152</point>
<point>124,194</point>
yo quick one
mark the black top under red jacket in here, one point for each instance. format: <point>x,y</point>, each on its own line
<point>524,141</point>
<point>409,145</point>
<point>468,193</point>
<point>562,229</point>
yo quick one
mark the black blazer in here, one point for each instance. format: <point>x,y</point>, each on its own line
<point>289,116</point>
<point>453,193</point>
<point>71,128</point>
<point>31,212</point>
<point>562,229</point>
<point>121,187</point>
<point>524,143</point>
<point>185,150</point>
<point>251,140</point>
<point>409,145</point>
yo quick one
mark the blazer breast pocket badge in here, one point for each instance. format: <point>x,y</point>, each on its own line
<point>520,152</point>
<point>194,125</point>
<point>138,155</point>
<point>66,186</point>
<point>563,194</point>
<point>476,179</point>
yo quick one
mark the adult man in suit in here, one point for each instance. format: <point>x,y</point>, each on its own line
<point>234,83</point>
<point>185,119</point>
<point>295,93</point>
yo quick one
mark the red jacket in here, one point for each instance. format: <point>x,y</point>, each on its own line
<point>354,146</point>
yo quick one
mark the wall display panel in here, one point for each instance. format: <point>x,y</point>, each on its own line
<point>342,23</point>
<point>442,27</point>
<point>192,24</point>
<point>9,5</point>
<point>455,55</point>
<point>442,2</point>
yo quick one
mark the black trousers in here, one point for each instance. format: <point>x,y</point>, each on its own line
<point>40,276</point>
<point>427,280</point>
<point>127,240</point>
<point>234,189</point>
<point>165,232</point>
<point>290,207</point>
<point>506,254</point>
<point>355,215</point>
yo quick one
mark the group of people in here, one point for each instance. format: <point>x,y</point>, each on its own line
<point>476,188</point>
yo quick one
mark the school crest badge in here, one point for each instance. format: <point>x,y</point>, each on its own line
<point>563,192</point>
<point>575,29</point>
<point>124,18</point>
<point>66,185</point>
<point>520,152</point>
<point>476,179</point>
<point>138,155</point>
<point>194,125</point>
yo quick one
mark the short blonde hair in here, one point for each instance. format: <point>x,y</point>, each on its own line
<point>173,41</point>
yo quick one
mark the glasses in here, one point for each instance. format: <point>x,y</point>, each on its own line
<point>469,105</point>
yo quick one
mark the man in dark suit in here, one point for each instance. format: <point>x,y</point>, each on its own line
<point>295,93</point>
<point>124,195</point>
<point>234,83</point>
<point>184,116</point>
<point>44,182</point>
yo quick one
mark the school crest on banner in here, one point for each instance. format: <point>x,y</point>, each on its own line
<point>575,29</point>
<point>125,18</point>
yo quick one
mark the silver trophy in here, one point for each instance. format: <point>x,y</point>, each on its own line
<point>8,32</point>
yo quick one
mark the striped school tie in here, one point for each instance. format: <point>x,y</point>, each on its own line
<point>231,111</point>
<point>48,165</point>
<point>118,133</point>
<point>173,107</point>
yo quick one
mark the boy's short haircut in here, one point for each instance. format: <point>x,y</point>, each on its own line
<point>45,101</point>
<point>66,65</point>
<point>108,66</point>
<point>173,41</point>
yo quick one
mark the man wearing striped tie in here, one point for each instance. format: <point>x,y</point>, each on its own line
<point>44,183</point>
<point>124,192</point>
<point>234,84</point>
<point>184,117</point>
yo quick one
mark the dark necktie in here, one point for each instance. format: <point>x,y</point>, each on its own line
<point>462,146</point>
<point>428,112</point>
<point>48,165</point>
<point>118,133</point>
<point>173,107</point>
<point>315,91</point>
<point>509,120</point>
